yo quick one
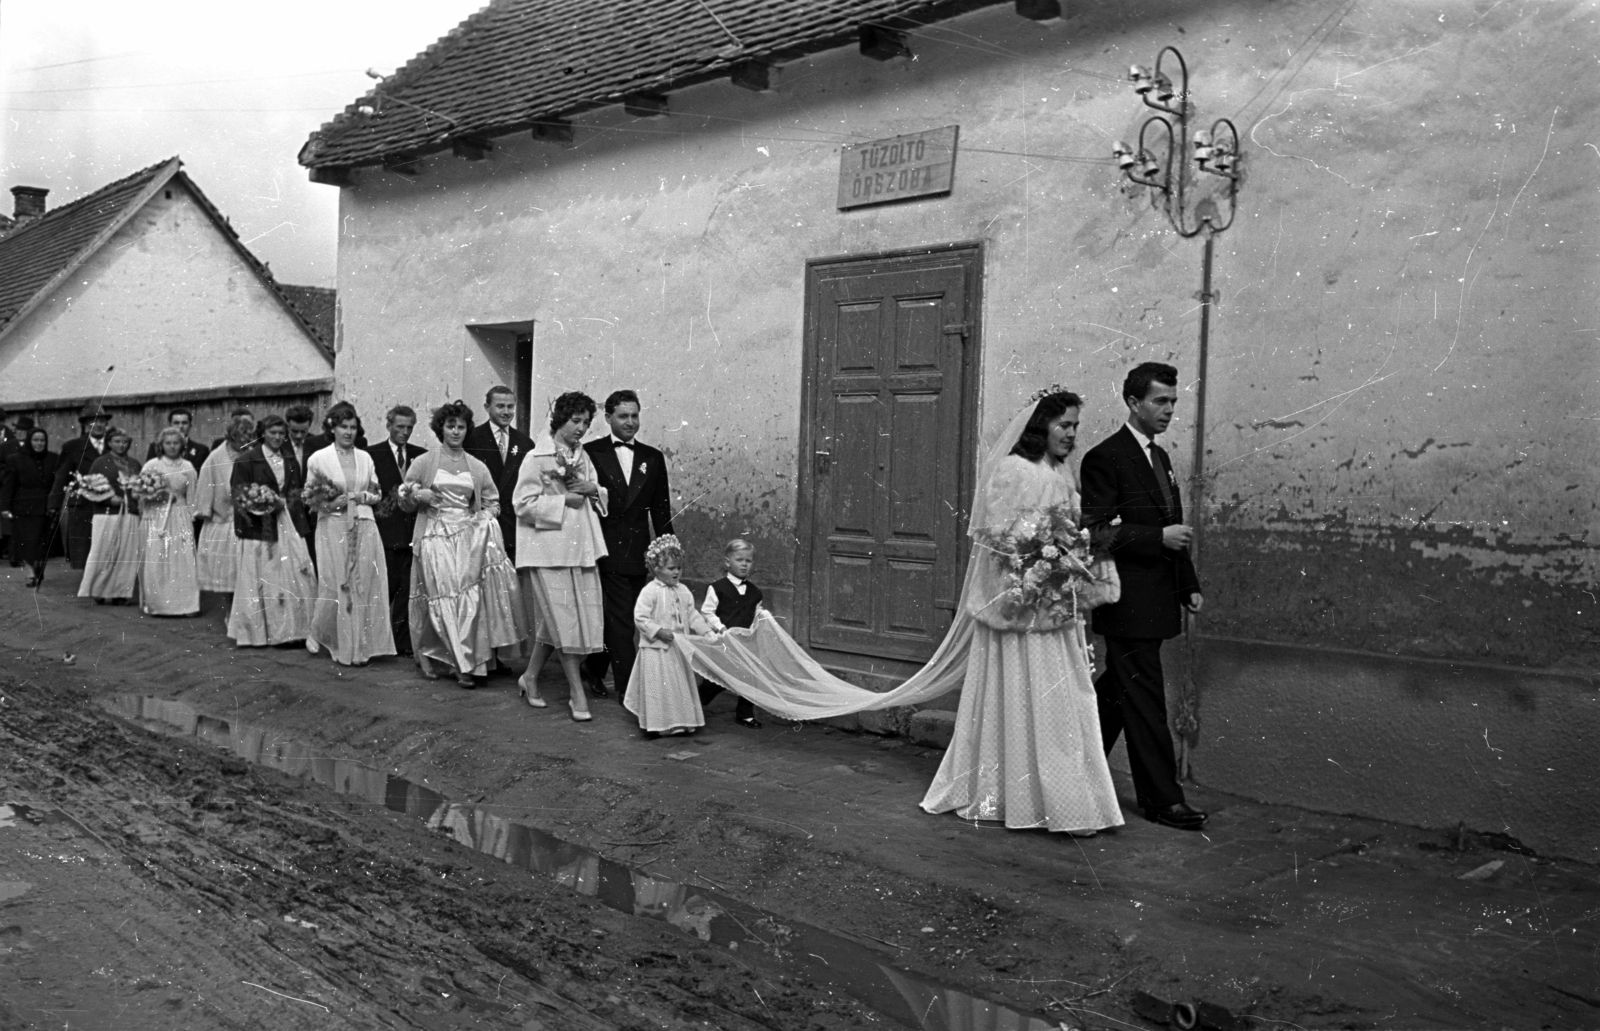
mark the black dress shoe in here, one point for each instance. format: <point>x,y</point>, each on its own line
<point>748,721</point>
<point>595,687</point>
<point>1178,816</point>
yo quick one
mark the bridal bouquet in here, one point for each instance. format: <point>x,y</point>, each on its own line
<point>1047,564</point>
<point>257,498</point>
<point>148,486</point>
<point>92,487</point>
<point>321,494</point>
<point>567,471</point>
<point>388,504</point>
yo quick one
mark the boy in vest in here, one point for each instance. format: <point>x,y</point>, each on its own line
<point>733,601</point>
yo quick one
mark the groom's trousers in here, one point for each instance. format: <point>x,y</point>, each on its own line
<point>1132,698</point>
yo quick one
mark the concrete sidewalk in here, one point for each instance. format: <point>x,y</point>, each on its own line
<point>1304,918</point>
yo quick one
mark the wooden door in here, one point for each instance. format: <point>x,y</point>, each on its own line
<point>890,348</point>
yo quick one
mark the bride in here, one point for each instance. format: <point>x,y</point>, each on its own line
<point>1027,748</point>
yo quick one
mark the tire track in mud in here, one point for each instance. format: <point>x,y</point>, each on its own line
<point>374,922</point>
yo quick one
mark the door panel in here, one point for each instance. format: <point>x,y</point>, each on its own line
<point>888,355</point>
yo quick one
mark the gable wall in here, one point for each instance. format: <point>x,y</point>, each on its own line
<point>1403,403</point>
<point>167,305</point>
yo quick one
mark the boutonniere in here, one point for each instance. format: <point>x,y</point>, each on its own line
<point>644,467</point>
<point>513,449</point>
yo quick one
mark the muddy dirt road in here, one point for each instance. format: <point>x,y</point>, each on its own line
<point>181,887</point>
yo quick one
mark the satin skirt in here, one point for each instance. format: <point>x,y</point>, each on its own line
<point>274,590</point>
<point>168,580</point>
<point>351,614</point>
<point>1027,749</point>
<point>116,551</point>
<point>217,556</point>
<point>465,603</point>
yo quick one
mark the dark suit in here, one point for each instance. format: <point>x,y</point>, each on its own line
<point>395,529</point>
<point>78,456</point>
<point>306,522</point>
<point>480,444</point>
<point>1120,481</point>
<point>193,452</point>
<point>253,467</point>
<point>29,493</point>
<point>635,508</point>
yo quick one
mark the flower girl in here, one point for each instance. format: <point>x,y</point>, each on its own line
<point>661,691</point>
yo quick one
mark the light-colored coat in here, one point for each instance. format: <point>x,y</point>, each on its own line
<point>671,607</point>
<point>550,533</point>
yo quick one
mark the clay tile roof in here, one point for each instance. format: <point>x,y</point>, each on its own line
<point>39,250</point>
<point>317,305</point>
<point>517,62</point>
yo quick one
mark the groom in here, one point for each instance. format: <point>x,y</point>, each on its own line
<point>1127,477</point>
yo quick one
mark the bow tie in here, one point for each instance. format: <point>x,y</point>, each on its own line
<point>625,443</point>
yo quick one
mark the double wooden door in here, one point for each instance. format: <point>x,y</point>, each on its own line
<point>885,487</point>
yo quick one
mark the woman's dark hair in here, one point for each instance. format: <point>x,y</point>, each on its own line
<point>447,411</point>
<point>269,421</point>
<point>573,402</point>
<point>339,413</point>
<point>1036,435</point>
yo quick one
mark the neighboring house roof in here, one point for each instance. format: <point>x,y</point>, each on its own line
<point>318,305</point>
<point>519,62</point>
<point>42,253</point>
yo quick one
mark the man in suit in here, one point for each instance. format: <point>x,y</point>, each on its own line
<point>299,447</point>
<point>77,457</point>
<point>1127,476</point>
<point>193,452</point>
<point>640,510</point>
<point>501,446</point>
<point>392,458</point>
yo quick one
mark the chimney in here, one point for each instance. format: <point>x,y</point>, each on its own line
<point>29,202</point>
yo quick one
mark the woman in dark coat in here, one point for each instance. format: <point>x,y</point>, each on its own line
<point>30,499</point>
<point>276,585</point>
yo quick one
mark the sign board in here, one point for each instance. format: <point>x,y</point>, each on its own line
<point>899,168</point>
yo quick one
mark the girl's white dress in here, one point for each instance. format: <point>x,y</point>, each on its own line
<point>351,614</point>
<point>1027,749</point>
<point>661,690</point>
<point>168,582</point>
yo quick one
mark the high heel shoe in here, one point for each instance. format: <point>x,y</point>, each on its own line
<point>425,669</point>
<point>465,681</point>
<point>531,696</point>
<point>578,717</point>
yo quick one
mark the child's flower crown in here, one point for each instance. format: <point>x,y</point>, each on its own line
<point>666,544</point>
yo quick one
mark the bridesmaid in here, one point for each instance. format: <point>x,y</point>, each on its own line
<point>169,583</point>
<point>217,556</point>
<point>276,587</point>
<point>117,548</point>
<point>464,598</point>
<point>351,615</point>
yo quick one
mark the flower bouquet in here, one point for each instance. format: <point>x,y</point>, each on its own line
<point>92,487</point>
<point>258,499</point>
<point>148,487</point>
<point>388,504</point>
<point>1048,565</point>
<point>567,471</point>
<point>321,494</point>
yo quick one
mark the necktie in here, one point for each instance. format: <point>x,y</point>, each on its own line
<point>625,443</point>
<point>1158,459</point>
<point>500,435</point>
<point>401,459</point>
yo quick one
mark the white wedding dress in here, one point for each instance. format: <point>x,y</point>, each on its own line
<point>1027,749</point>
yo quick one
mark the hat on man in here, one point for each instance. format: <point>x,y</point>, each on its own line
<point>92,411</point>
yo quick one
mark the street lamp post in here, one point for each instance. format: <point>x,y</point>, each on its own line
<point>1178,166</point>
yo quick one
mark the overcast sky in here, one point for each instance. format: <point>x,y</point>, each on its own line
<point>92,90</point>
